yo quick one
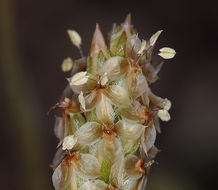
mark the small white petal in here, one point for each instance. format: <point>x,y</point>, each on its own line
<point>142,48</point>
<point>167,53</point>
<point>104,79</point>
<point>82,100</point>
<point>154,37</point>
<point>69,142</point>
<point>79,78</point>
<point>67,64</point>
<point>163,115</point>
<point>75,37</point>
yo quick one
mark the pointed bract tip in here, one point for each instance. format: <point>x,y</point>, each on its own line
<point>128,19</point>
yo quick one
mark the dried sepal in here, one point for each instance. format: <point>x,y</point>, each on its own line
<point>117,173</point>
<point>82,101</point>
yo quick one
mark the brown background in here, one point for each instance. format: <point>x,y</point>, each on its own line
<point>33,43</point>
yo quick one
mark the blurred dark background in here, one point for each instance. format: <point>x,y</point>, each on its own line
<point>33,43</point>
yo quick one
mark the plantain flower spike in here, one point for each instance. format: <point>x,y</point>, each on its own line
<point>107,124</point>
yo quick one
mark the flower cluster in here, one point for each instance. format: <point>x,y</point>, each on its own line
<point>109,119</point>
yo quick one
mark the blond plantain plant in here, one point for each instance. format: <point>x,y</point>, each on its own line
<point>109,115</point>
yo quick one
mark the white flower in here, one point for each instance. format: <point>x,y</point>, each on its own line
<point>104,79</point>
<point>69,142</point>
<point>154,37</point>
<point>82,100</point>
<point>67,64</point>
<point>75,37</point>
<point>167,53</point>
<point>163,115</point>
<point>142,48</point>
<point>79,78</point>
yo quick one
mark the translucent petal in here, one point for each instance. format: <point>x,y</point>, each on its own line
<point>88,166</point>
<point>133,45</point>
<point>136,82</point>
<point>88,86</point>
<point>129,130</point>
<point>118,95</point>
<point>133,113</point>
<point>69,142</point>
<point>58,157</point>
<point>114,67</point>
<point>89,133</point>
<point>62,176</point>
<point>91,99</point>
<point>130,166</point>
<point>79,78</point>
<point>59,128</point>
<point>104,110</point>
<point>116,175</point>
<point>110,149</point>
<point>94,185</point>
<point>130,146</point>
<point>82,101</point>
<point>148,138</point>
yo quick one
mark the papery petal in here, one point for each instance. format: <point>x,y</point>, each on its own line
<point>110,149</point>
<point>148,138</point>
<point>91,100</point>
<point>88,86</point>
<point>114,66</point>
<point>118,95</point>
<point>59,127</point>
<point>116,174</point>
<point>132,113</point>
<point>128,130</point>
<point>89,133</point>
<point>94,185</point>
<point>136,82</point>
<point>82,100</point>
<point>104,110</point>
<point>130,146</point>
<point>58,157</point>
<point>79,78</point>
<point>62,175</point>
<point>104,79</point>
<point>150,70</point>
<point>130,166</point>
<point>88,166</point>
